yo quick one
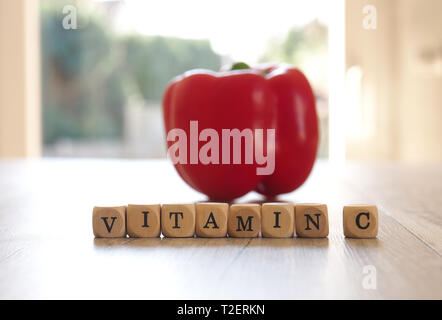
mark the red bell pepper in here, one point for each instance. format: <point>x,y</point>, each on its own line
<point>272,97</point>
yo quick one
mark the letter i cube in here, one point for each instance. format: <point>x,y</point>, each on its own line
<point>278,220</point>
<point>143,221</point>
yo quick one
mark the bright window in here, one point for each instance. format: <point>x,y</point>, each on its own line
<point>105,64</point>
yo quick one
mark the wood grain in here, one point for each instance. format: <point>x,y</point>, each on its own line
<point>411,194</point>
<point>47,249</point>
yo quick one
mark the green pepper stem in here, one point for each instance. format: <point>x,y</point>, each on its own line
<point>240,66</point>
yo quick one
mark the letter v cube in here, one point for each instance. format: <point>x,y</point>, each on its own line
<point>109,222</point>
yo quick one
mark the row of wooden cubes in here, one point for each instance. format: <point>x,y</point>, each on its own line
<point>275,220</point>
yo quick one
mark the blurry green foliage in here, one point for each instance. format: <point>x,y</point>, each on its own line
<point>299,45</point>
<point>306,47</point>
<point>88,73</point>
<point>153,61</point>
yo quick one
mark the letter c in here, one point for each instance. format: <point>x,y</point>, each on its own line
<point>358,220</point>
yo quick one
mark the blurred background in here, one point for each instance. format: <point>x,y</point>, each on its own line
<point>86,78</point>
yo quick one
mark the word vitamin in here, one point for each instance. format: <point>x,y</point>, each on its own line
<point>216,220</point>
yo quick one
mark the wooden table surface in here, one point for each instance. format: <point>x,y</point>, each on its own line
<point>47,249</point>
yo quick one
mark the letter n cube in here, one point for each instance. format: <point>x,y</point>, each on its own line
<point>311,220</point>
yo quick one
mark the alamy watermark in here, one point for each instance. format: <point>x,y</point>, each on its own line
<point>369,280</point>
<point>370,20</point>
<point>210,152</point>
<point>70,19</point>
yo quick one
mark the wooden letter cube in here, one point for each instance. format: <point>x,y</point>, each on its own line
<point>178,220</point>
<point>211,219</point>
<point>360,221</point>
<point>109,222</point>
<point>311,220</point>
<point>278,220</point>
<point>143,221</point>
<point>244,220</point>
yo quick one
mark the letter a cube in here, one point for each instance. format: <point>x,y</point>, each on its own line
<point>211,219</point>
